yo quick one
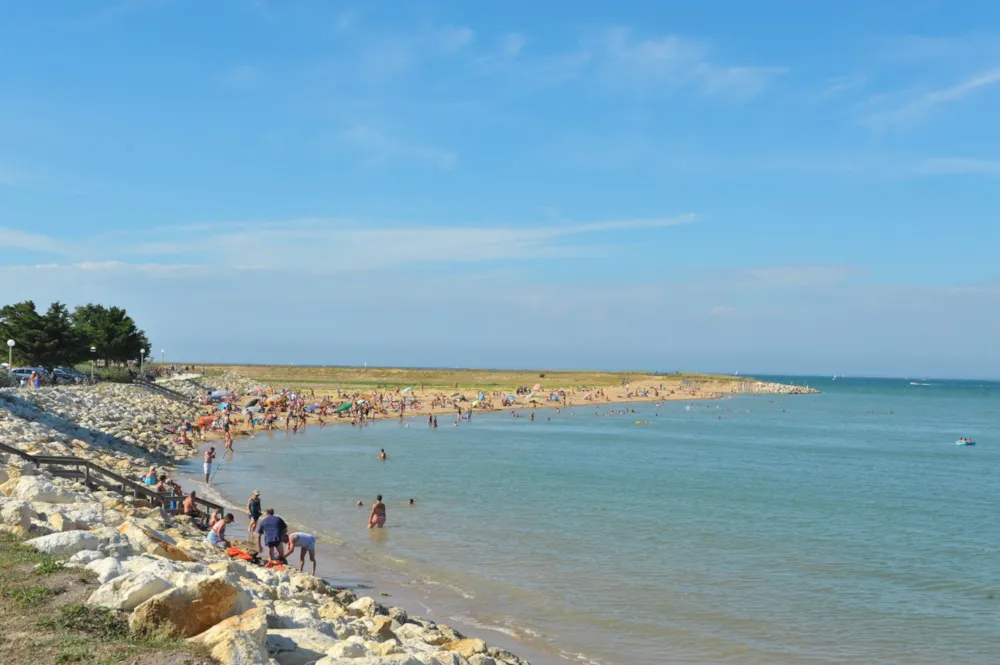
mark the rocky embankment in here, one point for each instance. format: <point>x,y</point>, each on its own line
<point>770,388</point>
<point>158,570</point>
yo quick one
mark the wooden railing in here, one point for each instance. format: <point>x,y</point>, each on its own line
<point>97,477</point>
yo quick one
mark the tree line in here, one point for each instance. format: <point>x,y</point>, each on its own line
<point>60,338</point>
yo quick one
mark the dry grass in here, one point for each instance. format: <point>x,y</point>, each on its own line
<point>43,619</point>
<point>373,378</point>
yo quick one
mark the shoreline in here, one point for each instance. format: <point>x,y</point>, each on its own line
<point>708,390</point>
<point>343,568</point>
<point>125,428</point>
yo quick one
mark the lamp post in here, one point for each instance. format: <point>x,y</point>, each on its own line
<point>93,361</point>
<point>142,355</point>
<point>10,355</point>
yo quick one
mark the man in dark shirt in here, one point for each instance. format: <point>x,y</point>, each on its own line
<point>272,529</point>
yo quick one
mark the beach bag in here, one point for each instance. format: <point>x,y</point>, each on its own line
<point>237,553</point>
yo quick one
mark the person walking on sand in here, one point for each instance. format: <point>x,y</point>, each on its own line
<point>209,458</point>
<point>272,530</point>
<point>377,516</point>
<point>307,545</point>
<point>254,512</point>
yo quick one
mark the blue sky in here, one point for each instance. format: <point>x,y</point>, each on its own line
<point>774,186</point>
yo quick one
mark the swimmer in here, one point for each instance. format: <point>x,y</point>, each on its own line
<point>377,516</point>
<point>382,455</point>
<point>410,502</point>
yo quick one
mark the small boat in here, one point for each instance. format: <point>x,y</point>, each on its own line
<point>965,442</point>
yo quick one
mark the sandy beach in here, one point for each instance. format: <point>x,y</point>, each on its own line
<point>148,560</point>
<point>405,393</point>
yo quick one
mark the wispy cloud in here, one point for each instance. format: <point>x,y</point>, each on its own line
<point>382,54</point>
<point>334,245</point>
<point>379,148</point>
<point>918,106</point>
<point>673,60</point>
<point>792,275</point>
<point>959,166</point>
<point>14,239</point>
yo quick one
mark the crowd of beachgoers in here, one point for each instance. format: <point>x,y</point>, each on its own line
<point>174,564</point>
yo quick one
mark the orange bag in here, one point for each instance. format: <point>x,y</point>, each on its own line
<point>237,553</point>
<point>275,565</point>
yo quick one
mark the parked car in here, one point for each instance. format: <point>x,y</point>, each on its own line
<point>69,375</point>
<point>24,373</point>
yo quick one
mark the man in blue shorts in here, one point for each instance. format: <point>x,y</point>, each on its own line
<point>272,530</point>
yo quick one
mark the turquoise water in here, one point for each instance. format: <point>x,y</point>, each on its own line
<point>802,529</point>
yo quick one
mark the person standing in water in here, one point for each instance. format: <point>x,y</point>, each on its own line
<point>209,458</point>
<point>272,530</point>
<point>254,511</point>
<point>377,516</point>
<point>382,455</point>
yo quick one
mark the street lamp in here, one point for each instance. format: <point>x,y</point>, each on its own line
<point>10,355</point>
<point>93,350</point>
<point>142,355</point>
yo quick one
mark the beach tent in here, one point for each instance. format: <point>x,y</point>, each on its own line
<point>406,390</point>
<point>254,402</point>
<point>343,407</point>
<point>511,397</point>
<point>456,394</point>
<point>219,393</point>
<point>361,401</point>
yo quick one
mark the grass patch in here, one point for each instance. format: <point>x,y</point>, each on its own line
<point>446,380</point>
<point>99,622</point>
<point>43,618</point>
<point>49,566</point>
<point>14,554</point>
<point>26,597</point>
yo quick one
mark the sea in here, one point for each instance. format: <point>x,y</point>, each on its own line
<point>842,527</point>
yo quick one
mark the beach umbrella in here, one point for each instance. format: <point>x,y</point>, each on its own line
<point>511,397</point>
<point>343,407</point>
<point>537,386</point>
